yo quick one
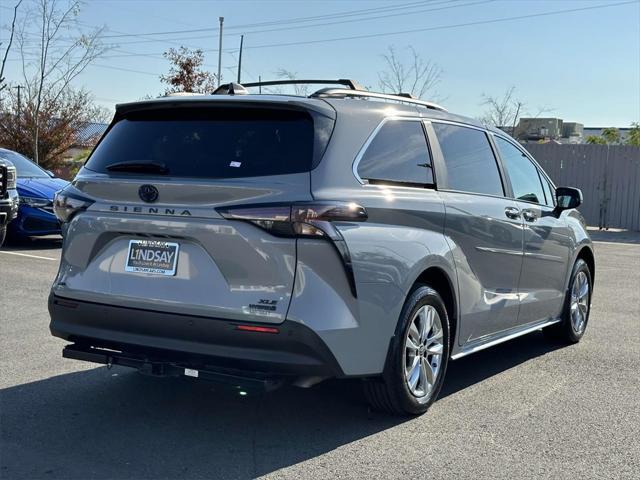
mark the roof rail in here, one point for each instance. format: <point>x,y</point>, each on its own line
<point>228,88</point>
<point>352,84</point>
<point>400,97</point>
<point>183,94</point>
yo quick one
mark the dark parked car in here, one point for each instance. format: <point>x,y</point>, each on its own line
<point>8,196</point>
<point>36,188</point>
<point>345,234</point>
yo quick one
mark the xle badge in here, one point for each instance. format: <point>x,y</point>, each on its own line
<point>263,305</point>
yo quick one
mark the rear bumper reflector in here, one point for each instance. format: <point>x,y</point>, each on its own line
<point>254,328</point>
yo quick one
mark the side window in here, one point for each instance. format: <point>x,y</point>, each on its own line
<point>398,153</point>
<point>523,174</point>
<point>469,160</point>
<point>548,192</point>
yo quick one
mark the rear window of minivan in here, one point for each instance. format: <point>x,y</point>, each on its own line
<point>208,142</point>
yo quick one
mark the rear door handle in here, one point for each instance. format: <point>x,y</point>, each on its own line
<point>512,212</point>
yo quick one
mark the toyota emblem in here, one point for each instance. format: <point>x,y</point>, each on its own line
<point>148,193</point>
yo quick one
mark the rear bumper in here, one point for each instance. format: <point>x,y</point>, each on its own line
<point>197,342</point>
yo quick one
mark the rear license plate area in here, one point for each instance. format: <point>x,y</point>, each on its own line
<point>151,256</point>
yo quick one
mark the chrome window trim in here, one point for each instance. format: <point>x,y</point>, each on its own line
<point>464,192</point>
<point>406,187</point>
<point>365,146</point>
<point>459,124</point>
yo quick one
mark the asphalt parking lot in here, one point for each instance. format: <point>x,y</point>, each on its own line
<point>525,409</point>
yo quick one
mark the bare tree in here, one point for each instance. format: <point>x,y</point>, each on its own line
<point>505,111</point>
<point>502,111</point>
<point>417,76</point>
<point>60,54</point>
<point>284,74</point>
<point>3,84</point>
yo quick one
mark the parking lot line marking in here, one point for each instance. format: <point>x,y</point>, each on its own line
<point>31,256</point>
<point>618,243</point>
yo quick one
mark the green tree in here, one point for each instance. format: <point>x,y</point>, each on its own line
<point>633,138</point>
<point>611,135</point>
<point>596,140</point>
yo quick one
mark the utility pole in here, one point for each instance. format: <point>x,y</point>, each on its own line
<point>240,57</point>
<point>220,52</point>
<point>19,87</point>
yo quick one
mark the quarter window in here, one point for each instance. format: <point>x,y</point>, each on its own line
<point>398,154</point>
<point>524,176</point>
<point>469,160</point>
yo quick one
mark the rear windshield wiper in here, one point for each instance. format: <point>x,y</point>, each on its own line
<point>138,167</point>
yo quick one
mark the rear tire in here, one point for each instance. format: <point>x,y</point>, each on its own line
<point>577,307</point>
<point>418,357</point>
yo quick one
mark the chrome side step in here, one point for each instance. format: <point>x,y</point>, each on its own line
<point>476,347</point>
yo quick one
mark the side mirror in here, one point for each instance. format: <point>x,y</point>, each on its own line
<point>568,197</point>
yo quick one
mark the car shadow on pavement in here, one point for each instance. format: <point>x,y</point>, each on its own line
<point>615,236</point>
<point>24,244</point>
<point>475,368</point>
<point>102,423</point>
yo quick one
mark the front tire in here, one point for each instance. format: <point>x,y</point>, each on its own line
<point>418,357</point>
<point>577,307</point>
<point>3,234</point>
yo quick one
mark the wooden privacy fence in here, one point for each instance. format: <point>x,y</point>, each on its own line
<point>608,175</point>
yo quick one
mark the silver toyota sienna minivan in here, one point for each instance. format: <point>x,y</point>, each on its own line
<point>261,239</point>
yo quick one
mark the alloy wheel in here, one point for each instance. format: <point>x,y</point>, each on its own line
<point>579,302</point>
<point>423,351</point>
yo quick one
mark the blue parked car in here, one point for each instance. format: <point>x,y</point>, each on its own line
<point>36,188</point>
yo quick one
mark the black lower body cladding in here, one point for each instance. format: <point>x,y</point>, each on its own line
<point>193,340</point>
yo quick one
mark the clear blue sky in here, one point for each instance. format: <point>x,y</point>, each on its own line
<point>584,65</point>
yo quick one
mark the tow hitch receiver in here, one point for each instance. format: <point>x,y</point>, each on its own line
<point>163,368</point>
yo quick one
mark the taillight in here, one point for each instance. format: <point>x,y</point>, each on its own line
<point>303,219</point>
<point>69,201</point>
<point>298,219</point>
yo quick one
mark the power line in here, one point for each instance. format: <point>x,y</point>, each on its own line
<point>152,55</point>
<point>443,27</point>
<point>111,67</point>
<point>276,22</point>
<point>350,13</point>
<point>297,27</point>
<point>400,32</point>
<point>157,55</point>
